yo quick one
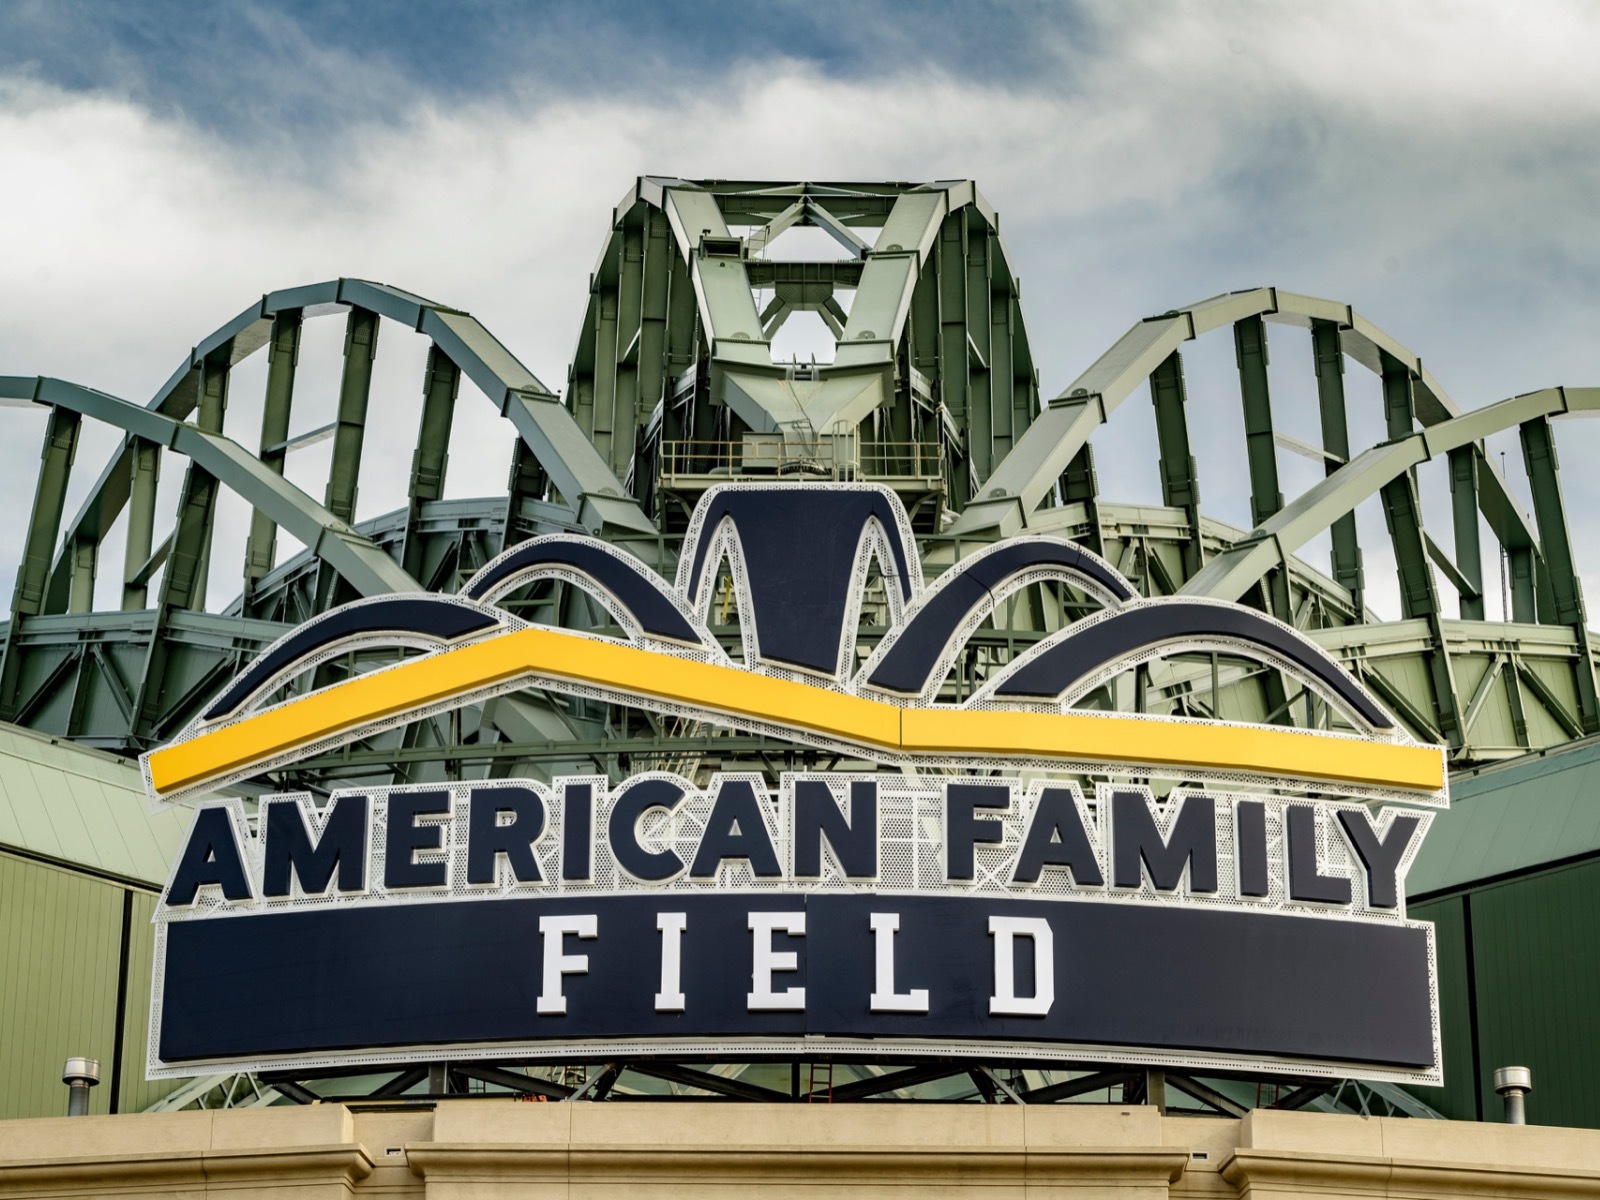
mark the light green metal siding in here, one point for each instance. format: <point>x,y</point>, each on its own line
<point>60,936</point>
<point>1513,818</point>
<point>77,842</point>
<point>1536,956</point>
<point>60,946</point>
<point>79,806</point>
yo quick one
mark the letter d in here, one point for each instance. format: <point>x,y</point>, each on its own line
<point>1005,1002</point>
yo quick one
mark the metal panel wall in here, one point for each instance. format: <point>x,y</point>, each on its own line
<point>1519,962</point>
<point>1536,959</point>
<point>61,936</point>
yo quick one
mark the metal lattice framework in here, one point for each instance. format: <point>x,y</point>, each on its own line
<point>823,1081</point>
<point>673,387</point>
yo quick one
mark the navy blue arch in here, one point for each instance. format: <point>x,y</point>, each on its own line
<point>638,592</point>
<point>799,548</point>
<point>428,617</point>
<point>907,664</point>
<point>1051,671</point>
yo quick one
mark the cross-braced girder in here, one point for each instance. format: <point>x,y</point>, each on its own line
<point>823,1081</point>
<point>931,379</point>
<point>931,389</point>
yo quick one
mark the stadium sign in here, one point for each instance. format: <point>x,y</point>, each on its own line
<point>1015,876</point>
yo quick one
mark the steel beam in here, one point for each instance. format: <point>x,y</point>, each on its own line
<point>953,392</point>
<point>720,1085</point>
<point>368,570</point>
<point>581,476</point>
<point>44,523</point>
<point>1231,573</point>
<point>183,576</point>
<point>1329,359</point>
<point>1419,595</point>
<point>883,297</point>
<point>210,414</point>
<point>1081,1086</point>
<point>1180,484</point>
<point>625,410</point>
<point>144,469</point>
<point>1464,515</point>
<point>1553,704</point>
<point>1206,1094</point>
<point>821,218</point>
<point>609,340</point>
<point>512,1080</point>
<point>441,384</point>
<point>1250,351</point>
<point>49,499</point>
<point>355,388</point>
<point>650,356</point>
<point>981,424</point>
<point>1080,485</point>
<point>1539,454</point>
<point>283,356</point>
<point>1304,1095</point>
<point>894,1081</point>
<point>1027,476</point>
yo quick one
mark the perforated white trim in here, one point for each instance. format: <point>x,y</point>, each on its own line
<point>975,619</point>
<point>985,697</point>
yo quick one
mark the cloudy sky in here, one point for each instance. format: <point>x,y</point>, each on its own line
<point>1437,165</point>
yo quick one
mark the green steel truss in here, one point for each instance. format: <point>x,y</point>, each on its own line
<point>673,387</point>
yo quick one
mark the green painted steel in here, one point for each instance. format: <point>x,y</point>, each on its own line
<point>932,391</point>
<point>81,859</point>
<point>1522,957</point>
<point>1510,876</point>
<point>283,357</point>
<point>61,968</point>
<point>1261,448</point>
<point>1531,701</point>
<point>65,971</point>
<point>68,804</point>
<point>1329,361</point>
<point>1180,488</point>
<point>1513,817</point>
<point>1536,969</point>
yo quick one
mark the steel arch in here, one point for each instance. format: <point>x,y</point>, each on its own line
<point>594,494</point>
<point>672,341</point>
<point>947,359</point>
<point>1028,476</point>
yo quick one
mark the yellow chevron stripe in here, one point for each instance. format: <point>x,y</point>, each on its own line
<point>631,671</point>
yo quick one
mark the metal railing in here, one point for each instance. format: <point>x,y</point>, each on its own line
<point>841,457</point>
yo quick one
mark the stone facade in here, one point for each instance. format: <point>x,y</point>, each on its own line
<point>494,1148</point>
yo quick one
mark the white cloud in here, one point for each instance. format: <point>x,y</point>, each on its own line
<point>1431,164</point>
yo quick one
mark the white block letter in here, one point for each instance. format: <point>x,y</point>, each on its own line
<point>762,998</point>
<point>1005,1002</point>
<point>557,964</point>
<point>884,997</point>
<point>671,925</point>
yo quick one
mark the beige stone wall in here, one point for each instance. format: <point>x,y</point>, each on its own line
<point>493,1148</point>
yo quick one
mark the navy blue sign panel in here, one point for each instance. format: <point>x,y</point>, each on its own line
<point>799,548</point>
<point>512,974</point>
<point>1065,899</point>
